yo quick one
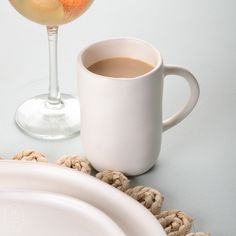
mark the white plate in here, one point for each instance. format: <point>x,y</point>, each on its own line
<point>41,213</point>
<point>128,214</point>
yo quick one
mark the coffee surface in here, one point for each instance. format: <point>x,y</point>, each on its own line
<point>120,67</point>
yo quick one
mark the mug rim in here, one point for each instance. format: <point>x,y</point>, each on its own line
<point>155,68</point>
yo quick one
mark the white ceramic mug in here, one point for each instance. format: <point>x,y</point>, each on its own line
<point>121,118</point>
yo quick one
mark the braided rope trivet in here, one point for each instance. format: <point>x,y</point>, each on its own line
<point>30,155</point>
<point>75,162</point>
<point>148,197</point>
<point>175,222</point>
<point>114,178</point>
<point>198,234</point>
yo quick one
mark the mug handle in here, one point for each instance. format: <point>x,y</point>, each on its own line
<point>195,91</point>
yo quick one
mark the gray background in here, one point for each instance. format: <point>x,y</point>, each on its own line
<point>196,167</point>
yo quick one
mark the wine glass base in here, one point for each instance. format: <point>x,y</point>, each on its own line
<point>39,119</point>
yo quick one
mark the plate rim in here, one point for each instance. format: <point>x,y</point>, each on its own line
<point>73,178</point>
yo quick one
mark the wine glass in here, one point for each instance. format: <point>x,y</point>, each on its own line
<point>50,116</point>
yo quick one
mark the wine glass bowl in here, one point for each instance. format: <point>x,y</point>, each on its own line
<point>51,12</point>
<point>54,115</point>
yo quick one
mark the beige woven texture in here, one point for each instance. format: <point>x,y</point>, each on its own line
<point>198,234</point>
<point>148,197</point>
<point>114,178</point>
<point>30,155</point>
<point>175,222</point>
<point>75,162</point>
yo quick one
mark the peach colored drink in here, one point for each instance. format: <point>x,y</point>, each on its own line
<point>51,12</point>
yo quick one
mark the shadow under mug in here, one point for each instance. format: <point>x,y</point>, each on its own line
<point>121,118</point>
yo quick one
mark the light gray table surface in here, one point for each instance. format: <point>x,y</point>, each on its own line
<point>196,167</point>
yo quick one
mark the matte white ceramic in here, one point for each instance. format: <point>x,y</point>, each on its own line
<point>40,213</point>
<point>121,118</point>
<point>129,215</point>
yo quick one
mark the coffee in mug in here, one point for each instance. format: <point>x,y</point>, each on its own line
<point>120,67</point>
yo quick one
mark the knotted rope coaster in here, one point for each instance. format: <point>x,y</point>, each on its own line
<point>148,197</point>
<point>198,234</point>
<point>30,155</point>
<point>114,178</point>
<point>75,162</point>
<point>175,222</point>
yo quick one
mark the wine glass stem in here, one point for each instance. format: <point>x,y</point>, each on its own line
<point>54,97</point>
